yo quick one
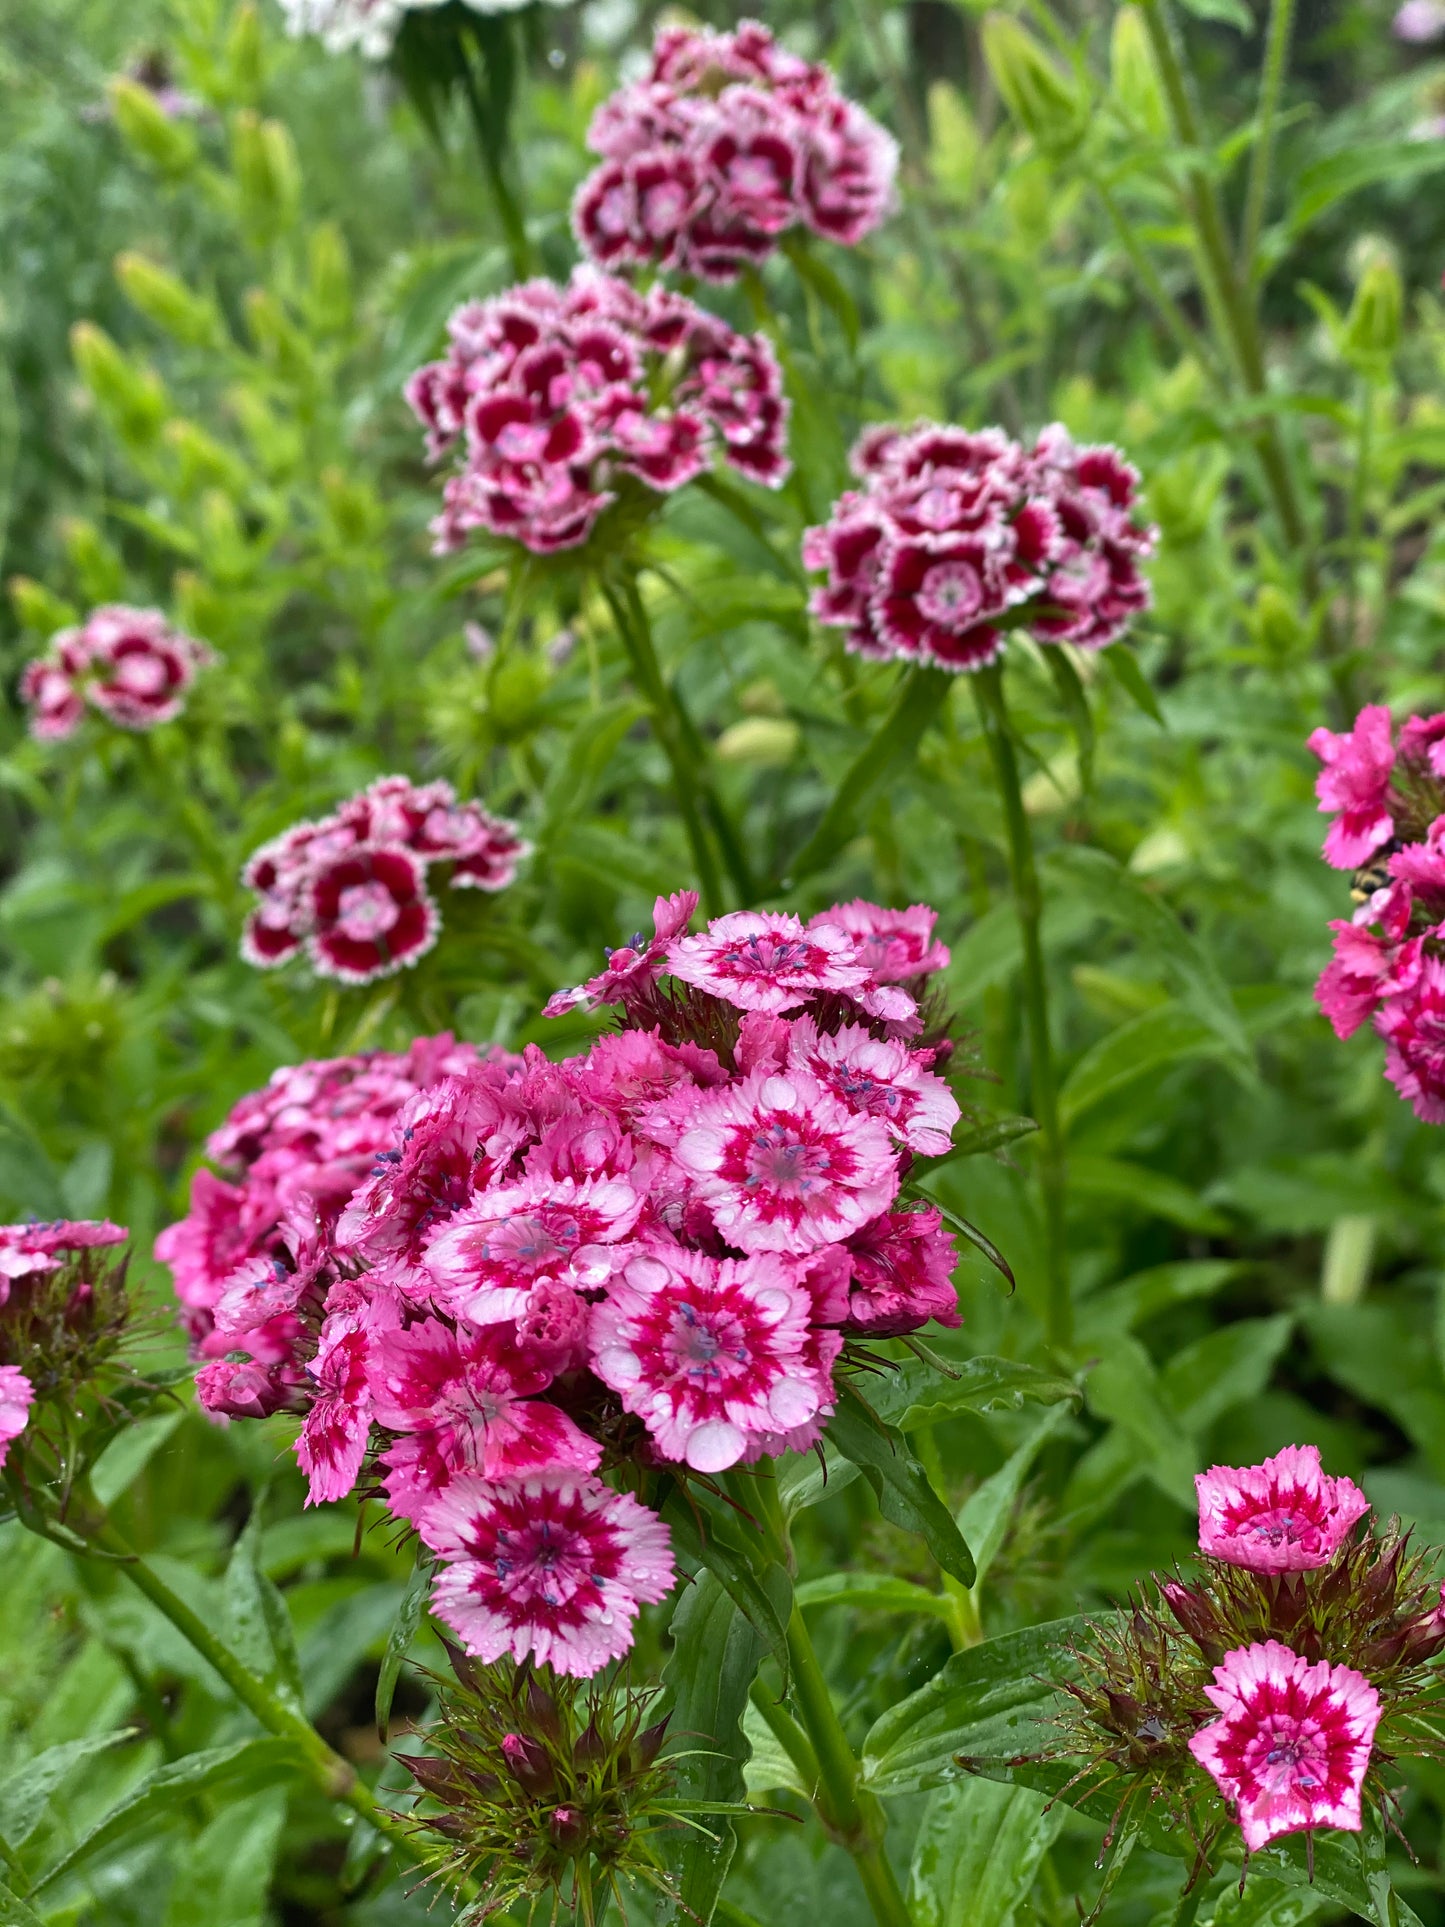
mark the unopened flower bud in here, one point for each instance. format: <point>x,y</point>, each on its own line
<point>528,1763</point>
<point>1192,1609</point>
<point>329,296</point>
<point>1045,101</point>
<point>37,608</point>
<point>158,138</point>
<point>162,297</point>
<point>568,1828</point>
<point>440,1778</point>
<point>132,398</point>
<point>649,1743</point>
<point>1134,79</point>
<point>1372,327</point>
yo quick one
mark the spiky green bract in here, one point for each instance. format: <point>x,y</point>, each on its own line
<point>550,1790</point>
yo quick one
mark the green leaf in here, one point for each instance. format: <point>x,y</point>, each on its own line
<point>1143,1046</point>
<point>1152,1193</point>
<point>1318,187</point>
<point>257,1622</point>
<point>1075,700</point>
<point>27,1790</point>
<point>14,1912</point>
<point>976,1853</point>
<point>990,1134</point>
<point>225,1873</point>
<point>1147,1293</point>
<point>984,1517</point>
<point>1232,13</point>
<point>1116,894</point>
<point>162,1795</point>
<point>403,1632</point>
<point>1224,1369</point>
<point>763,1597</point>
<point>715,1657</point>
<point>873,1592</point>
<point>1265,1904</point>
<point>1124,1389</point>
<point>1125,666</point>
<point>919,1394</point>
<point>127,1455</point>
<point>899,1482</point>
<point>989,1704</point>
<point>921,694</point>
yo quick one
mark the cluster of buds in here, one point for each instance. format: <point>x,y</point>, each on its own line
<point>651,1255</point>
<point>727,141</point>
<point>542,1785</point>
<point>129,664</point>
<point>1387,802</point>
<point>64,1313</point>
<point>569,401</point>
<point>1294,1669</point>
<point>954,538</point>
<point>351,889</point>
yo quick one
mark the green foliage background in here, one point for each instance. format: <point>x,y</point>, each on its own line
<point>1255,1219</point>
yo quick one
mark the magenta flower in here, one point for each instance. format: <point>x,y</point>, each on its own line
<point>560,399</point>
<point>244,1388</point>
<point>765,960</point>
<point>879,1077</point>
<point>333,1439</point>
<point>485,1260</point>
<point>1422,738</point>
<point>44,1246</point>
<point>896,945</point>
<point>17,1395</point>
<point>634,967</point>
<point>1293,1743</point>
<point>1419,21</point>
<point>1285,1515</point>
<point>130,664</point>
<point>725,143</point>
<point>552,1567</point>
<point>955,536</point>
<point>1354,786</point>
<point>902,1275</point>
<point>370,914</point>
<point>466,1402</point>
<point>1412,1022</point>
<point>1365,970</point>
<point>783,1165</point>
<point>706,1351</point>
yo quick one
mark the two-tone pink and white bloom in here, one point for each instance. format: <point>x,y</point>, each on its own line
<point>1284,1515</point>
<point>45,1244</point>
<point>1293,1742</point>
<point>17,1395</point>
<point>769,961</point>
<point>129,664</point>
<point>783,1165</point>
<point>706,1351</point>
<point>881,1077</point>
<point>486,1259</point>
<point>632,967</point>
<point>551,1568</point>
<point>896,945</point>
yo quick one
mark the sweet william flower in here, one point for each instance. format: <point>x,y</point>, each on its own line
<point>632,967</point>
<point>485,1260</point>
<point>706,1351</point>
<point>551,1568</point>
<point>783,1165</point>
<point>1293,1742</point>
<point>45,1244</point>
<point>16,1396</point>
<point>768,961</point>
<point>902,1268</point>
<point>370,914</point>
<point>1412,1022</point>
<point>1284,1515</point>
<point>879,1077</point>
<point>1354,786</point>
<point>896,945</point>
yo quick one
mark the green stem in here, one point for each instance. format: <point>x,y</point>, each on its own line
<point>1171,315</point>
<point>1355,527</point>
<point>332,1775</point>
<point>629,616</point>
<point>1043,1076</point>
<point>519,246</point>
<point>1231,299</point>
<point>1276,57</point>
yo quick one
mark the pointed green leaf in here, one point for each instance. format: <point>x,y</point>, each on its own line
<point>403,1632</point>
<point>1142,1047</point>
<point>976,1853</point>
<point>900,1484</point>
<point>917,1393</point>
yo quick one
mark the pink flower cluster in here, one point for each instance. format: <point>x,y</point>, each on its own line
<point>1387,801</point>
<point>651,1253</point>
<point>130,664</point>
<point>1292,1743</point>
<point>724,144</point>
<point>351,889</point>
<point>564,399</point>
<point>28,1252</point>
<point>955,537</point>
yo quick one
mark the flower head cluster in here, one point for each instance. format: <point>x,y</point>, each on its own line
<point>1386,799</point>
<point>371,26</point>
<point>567,400</point>
<point>351,889</point>
<point>63,1312</point>
<point>726,142</point>
<point>651,1254</point>
<point>953,538</point>
<point>538,1782</point>
<point>130,664</point>
<point>1292,1670</point>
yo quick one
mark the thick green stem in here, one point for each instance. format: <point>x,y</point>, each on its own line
<point>1043,1076</point>
<point>334,1777</point>
<point>1276,57</point>
<point>1231,298</point>
<point>629,616</point>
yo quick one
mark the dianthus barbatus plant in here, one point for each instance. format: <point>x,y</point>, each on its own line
<point>130,665</point>
<point>1273,1689</point>
<point>537,1293</point>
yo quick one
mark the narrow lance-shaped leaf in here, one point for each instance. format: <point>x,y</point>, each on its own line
<point>899,1482</point>
<point>399,1639</point>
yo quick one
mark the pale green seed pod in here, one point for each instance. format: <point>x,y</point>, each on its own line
<point>37,608</point>
<point>329,296</point>
<point>761,742</point>
<point>133,399</point>
<point>1047,102</point>
<point>162,297</point>
<point>1372,327</point>
<point>148,131</point>
<point>1134,82</point>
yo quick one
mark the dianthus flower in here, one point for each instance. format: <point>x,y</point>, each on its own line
<point>1388,804</point>
<point>552,1567</point>
<point>17,1395</point>
<point>479,1280</point>
<point>566,400</point>
<point>725,143</point>
<point>1285,1515</point>
<point>1293,1743</point>
<point>706,1351</point>
<point>44,1245</point>
<point>352,889</point>
<point>130,664</point>
<point>955,537</point>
